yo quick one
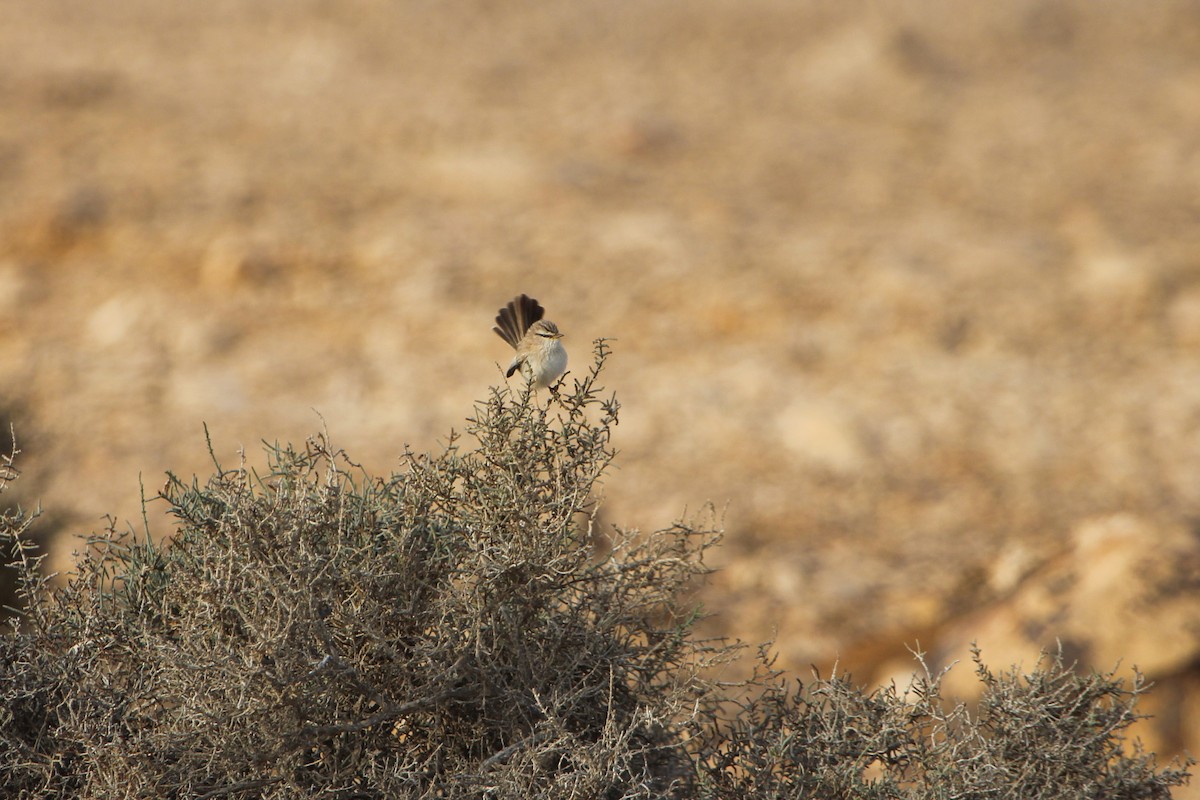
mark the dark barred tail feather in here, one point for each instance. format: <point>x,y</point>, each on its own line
<point>516,317</point>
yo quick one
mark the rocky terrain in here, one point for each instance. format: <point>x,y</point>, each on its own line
<point>913,297</point>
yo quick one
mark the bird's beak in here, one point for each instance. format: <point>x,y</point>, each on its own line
<point>559,335</point>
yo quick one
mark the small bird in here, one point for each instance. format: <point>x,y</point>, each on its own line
<point>540,354</point>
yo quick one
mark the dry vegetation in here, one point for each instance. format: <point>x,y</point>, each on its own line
<point>461,630</point>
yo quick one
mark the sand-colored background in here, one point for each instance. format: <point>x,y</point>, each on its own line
<point>915,293</point>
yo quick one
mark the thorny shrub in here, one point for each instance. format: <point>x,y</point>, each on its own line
<point>1051,734</point>
<point>460,629</point>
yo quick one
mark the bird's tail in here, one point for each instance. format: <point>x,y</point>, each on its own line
<point>516,317</point>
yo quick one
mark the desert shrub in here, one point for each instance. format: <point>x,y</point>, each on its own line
<point>1050,734</point>
<point>460,629</point>
<point>314,632</point>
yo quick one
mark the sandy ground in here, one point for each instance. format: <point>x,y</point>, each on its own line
<point>913,296</point>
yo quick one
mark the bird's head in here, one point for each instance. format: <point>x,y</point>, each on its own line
<point>545,330</point>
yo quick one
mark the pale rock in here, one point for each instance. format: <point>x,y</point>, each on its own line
<point>1123,596</point>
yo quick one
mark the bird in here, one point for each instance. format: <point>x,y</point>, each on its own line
<point>538,342</point>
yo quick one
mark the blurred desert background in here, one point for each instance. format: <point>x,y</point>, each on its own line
<point>911,292</point>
